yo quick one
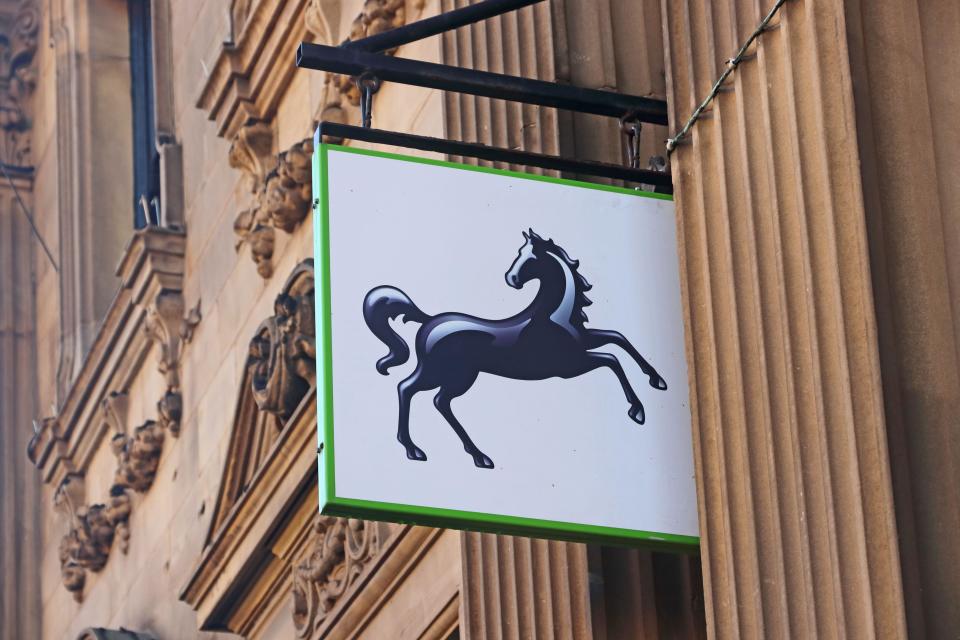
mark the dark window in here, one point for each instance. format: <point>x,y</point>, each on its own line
<point>146,159</point>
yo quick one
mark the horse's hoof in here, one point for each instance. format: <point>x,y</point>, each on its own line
<point>637,414</point>
<point>482,460</point>
<point>658,383</point>
<point>416,453</point>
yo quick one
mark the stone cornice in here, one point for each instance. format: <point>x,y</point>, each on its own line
<point>151,268</point>
<point>249,75</point>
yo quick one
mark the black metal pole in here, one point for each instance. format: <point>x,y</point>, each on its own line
<point>436,25</point>
<point>660,179</point>
<point>354,62</point>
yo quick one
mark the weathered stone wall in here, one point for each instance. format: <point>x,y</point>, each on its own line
<point>224,174</point>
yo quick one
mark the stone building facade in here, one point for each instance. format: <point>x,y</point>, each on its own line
<point>156,324</point>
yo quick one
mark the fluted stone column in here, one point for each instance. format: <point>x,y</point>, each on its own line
<point>796,506</point>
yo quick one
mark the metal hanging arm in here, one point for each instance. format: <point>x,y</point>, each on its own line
<point>353,62</point>
<point>436,25</point>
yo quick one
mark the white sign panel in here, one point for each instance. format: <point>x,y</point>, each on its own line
<point>500,351</point>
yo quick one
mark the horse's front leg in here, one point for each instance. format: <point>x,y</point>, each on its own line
<point>407,388</point>
<point>596,360</point>
<point>599,337</point>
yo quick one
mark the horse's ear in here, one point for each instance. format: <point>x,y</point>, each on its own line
<point>533,235</point>
<point>525,236</point>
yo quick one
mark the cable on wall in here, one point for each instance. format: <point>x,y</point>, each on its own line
<point>732,64</point>
<point>29,216</point>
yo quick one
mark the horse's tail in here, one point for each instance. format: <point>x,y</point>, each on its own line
<point>380,306</point>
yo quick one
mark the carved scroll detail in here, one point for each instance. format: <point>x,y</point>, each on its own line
<point>250,152</point>
<point>169,328</point>
<point>282,354</point>
<point>340,551</point>
<point>18,79</point>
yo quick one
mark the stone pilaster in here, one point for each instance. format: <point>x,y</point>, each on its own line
<point>796,508</point>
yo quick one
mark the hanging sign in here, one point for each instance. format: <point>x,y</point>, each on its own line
<point>500,351</point>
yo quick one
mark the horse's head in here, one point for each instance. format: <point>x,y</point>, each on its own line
<point>526,266</point>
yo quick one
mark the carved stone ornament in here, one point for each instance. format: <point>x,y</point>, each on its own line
<point>118,512</point>
<point>281,201</point>
<point>169,411</point>
<point>138,456</point>
<point>282,354</point>
<point>169,328</point>
<point>250,151</point>
<point>340,551</point>
<point>86,545</point>
<point>93,529</point>
<point>163,327</point>
<point>286,198</point>
<point>18,79</point>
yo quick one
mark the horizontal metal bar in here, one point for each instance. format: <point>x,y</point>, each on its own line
<point>659,179</point>
<point>436,24</point>
<point>480,83</point>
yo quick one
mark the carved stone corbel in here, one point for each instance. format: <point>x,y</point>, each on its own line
<point>162,325</point>
<point>86,545</point>
<point>251,152</point>
<point>282,353</point>
<point>167,325</point>
<point>339,553</point>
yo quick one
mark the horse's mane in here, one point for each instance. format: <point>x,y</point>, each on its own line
<point>580,283</point>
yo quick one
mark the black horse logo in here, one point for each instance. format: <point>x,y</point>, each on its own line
<point>547,339</point>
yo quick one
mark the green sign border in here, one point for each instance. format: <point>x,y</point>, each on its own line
<point>330,502</point>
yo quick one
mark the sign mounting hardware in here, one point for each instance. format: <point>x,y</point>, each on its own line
<point>364,60</point>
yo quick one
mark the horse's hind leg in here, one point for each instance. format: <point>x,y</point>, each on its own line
<point>442,402</point>
<point>406,390</point>
<point>599,337</point>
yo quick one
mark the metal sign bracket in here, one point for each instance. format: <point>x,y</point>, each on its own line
<point>363,59</point>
